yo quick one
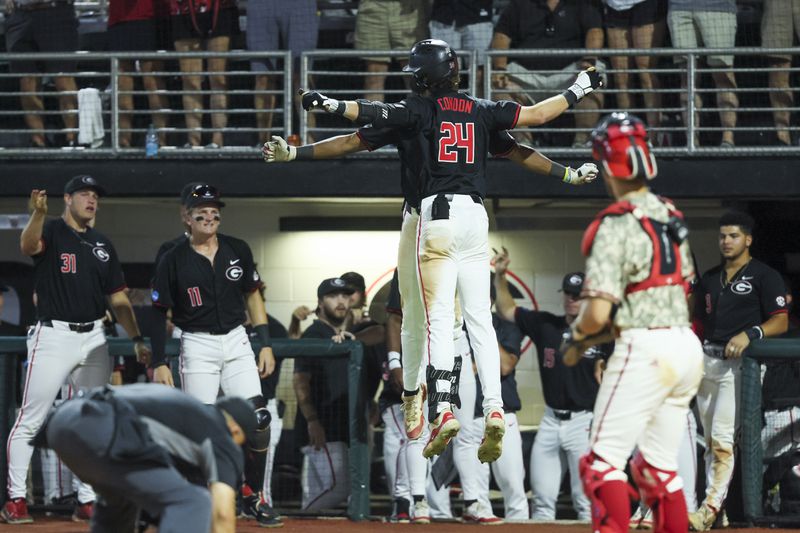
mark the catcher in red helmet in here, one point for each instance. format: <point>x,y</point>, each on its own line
<point>638,267</point>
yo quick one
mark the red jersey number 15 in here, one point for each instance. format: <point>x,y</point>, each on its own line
<point>454,137</point>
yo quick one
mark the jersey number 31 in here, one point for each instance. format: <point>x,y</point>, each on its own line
<point>455,136</point>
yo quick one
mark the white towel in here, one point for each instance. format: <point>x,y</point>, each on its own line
<point>90,118</point>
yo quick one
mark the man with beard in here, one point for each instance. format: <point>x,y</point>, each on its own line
<point>321,388</point>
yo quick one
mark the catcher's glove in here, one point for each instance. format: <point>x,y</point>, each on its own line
<point>573,349</point>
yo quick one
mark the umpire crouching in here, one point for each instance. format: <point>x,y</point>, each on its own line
<point>156,449</point>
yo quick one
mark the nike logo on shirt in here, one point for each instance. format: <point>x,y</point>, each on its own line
<point>233,261</point>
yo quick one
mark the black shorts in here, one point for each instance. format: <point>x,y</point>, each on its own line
<point>139,36</point>
<point>642,14</point>
<point>51,29</point>
<point>227,25</point>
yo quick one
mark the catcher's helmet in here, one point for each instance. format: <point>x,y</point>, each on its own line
<point>621,145</point>
<point>433,64</point>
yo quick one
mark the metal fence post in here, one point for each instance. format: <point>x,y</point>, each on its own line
<point>303,81</point>
<point>690,105</point>
<point>358,506</point>
<point>487,78</point>
<point>115,105</point>
<point>473,72</point>
<point>288,95</point>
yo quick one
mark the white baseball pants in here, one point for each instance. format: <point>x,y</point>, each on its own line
<point>275,429</point>
<point>325,477</point>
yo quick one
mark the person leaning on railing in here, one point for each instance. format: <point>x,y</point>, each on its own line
<point>139,26</point>
<point>44,26</point>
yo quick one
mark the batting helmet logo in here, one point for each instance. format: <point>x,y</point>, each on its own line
<point>621,145</point>
<point>234,273</point>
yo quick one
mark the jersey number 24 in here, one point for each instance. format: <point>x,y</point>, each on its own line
<point>460,135</point>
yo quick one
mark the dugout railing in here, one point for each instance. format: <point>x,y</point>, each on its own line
<point>358,452</point>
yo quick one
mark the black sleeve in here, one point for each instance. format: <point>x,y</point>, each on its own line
<point>230,464</point>
<point>410,113</point>
<point>501,143</point>
<point>772,294</point>
<point>393,302</point>
<point>115,281</point>
<point>252,280</point>
<point>699,294</point>
<point>509,21</point>
<point>375,138</point>
<point>509,336</point>
<point>164,286</point>
<point>504,115</point>
<point>162,250</point>
<point>591,15</point>
<point>526,320</point>
<point>308,364</point>
<point>46,239</point>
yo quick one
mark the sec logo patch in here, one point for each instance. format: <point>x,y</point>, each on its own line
<point>742,287</point>
<point>781,301</point>
<point>234,273</point>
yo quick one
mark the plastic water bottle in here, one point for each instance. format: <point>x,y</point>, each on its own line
<point>151,142</point>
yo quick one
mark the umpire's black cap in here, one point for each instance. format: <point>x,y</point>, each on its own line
<point>331,285</point>
<point>573,283</point>
<point>203,194</point>
<point>242,412</point>
<point>84,181</point>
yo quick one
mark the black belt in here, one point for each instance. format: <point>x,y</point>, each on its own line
<point>215,333</point>
<point>77,327</point>
<point>565,415</point>
<point>717,351</point>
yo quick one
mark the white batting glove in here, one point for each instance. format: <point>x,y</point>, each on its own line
<point>278,151</point>
<point>585,174</point>
<point>588,80</point>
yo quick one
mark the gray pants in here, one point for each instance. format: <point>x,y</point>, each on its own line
<point>80,432</point>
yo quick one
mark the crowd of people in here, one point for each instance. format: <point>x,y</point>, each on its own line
<point>481,25</point>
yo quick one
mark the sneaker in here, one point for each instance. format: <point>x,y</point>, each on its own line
<point>16,512</point>
<point>702,519</point>
<point>412,413</point>
<point>422,512</point>
<point>492,444</point>
<point>443,429</point>
<point>83,512</point>
<point>636,519</point>
<point>402,511</point>
<point>646,519</point>
<point>721,522</point>
<point>477,513</point>
<point>267,517</point>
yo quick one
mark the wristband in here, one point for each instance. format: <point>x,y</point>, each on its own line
<point>754,333</point>
<point>394,360</point>
<point>304,152</point>
<point>571,97</point>
<point>262,331</point>
<point>341,107</point>
<point>559,171</point>
<point>137,338</point>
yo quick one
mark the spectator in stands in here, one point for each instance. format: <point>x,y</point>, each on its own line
<point>47,26</point>
<point>636,24</point>
<point>271,26</point>
<point>464,25</point>
<point>550,24</point>
<point>321,386</point>
<point>197,26</point>
<point>779,24</point>
<point>708,24</point>
<point>139,26</point>
<point>388,25</point>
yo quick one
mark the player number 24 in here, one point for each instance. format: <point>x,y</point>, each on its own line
<point>455,136</point>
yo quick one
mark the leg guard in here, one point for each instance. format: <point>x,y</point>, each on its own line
<point>662,491</point>
<point>609,492</point>
<point>256,453</point>
<point>432,376</point>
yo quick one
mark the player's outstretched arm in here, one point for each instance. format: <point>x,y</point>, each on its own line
<point>364,112</point>
<point>504,302</point>
<point>530,159</point>
<point>30,242</point>
<point>279,151</point>
<point>545,111</point>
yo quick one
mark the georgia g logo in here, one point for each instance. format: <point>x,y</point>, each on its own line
<point>742,288</point>
<point>101,254</point>
<point>234,273</point>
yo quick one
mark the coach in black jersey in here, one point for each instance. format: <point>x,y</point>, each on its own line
<point>77,274</point>
<point>738,301</point>
<point>207,280</point>
<point>153,448</point>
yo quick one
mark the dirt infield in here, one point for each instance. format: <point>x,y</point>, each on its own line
<point>63,525</point>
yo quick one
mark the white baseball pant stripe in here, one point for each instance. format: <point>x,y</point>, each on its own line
<point>719,414</point>
<point>453,254</point>
<point>325,477</point>
<point>648,383</point>
<point>556,441</point>
<point>275,428</point>
<point>57,479</point>
<point>55,354</point>
<point>210,362</point>
<point>687,460</point>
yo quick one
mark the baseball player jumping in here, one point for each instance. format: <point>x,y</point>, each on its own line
<point>639,265</point>
<point>76,272</point>
<point>436,255</point>
<point>207,280</point>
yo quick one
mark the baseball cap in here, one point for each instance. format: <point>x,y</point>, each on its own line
<point>203,194</point>
<point>573,283</point>
<point>187,190</point>
<point>355,281</point>
<point>331,285</point>
<point>84,181</point>
<point>242,412</point>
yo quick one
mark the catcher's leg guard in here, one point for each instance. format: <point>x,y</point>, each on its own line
<point>256,453</point>
<point>662,491</point>
<point>609,492</point>
<point>435,395</point>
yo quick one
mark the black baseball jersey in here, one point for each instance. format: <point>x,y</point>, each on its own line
<point>510,338</point>
<point>453,133</point>
<point>565,388</point>
<point>755,293</point>
<point>74,272</point>
<point>206,298</point>
<point>329,386</point>
<point>166,247</point>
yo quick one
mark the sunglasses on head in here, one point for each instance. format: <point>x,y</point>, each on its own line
<point>205,191</point>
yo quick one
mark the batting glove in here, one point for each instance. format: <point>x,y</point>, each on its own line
<point>317,100</point>
<point>587,81</point>
<point>278,151</point>
<point>585,174</point>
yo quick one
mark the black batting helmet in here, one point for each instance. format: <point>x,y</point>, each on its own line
<point>434,64</point>
<point>621,145</point>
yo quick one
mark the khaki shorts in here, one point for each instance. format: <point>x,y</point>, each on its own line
<point>390,25</point>
<point>779,24</point>
<point>708,29</point>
